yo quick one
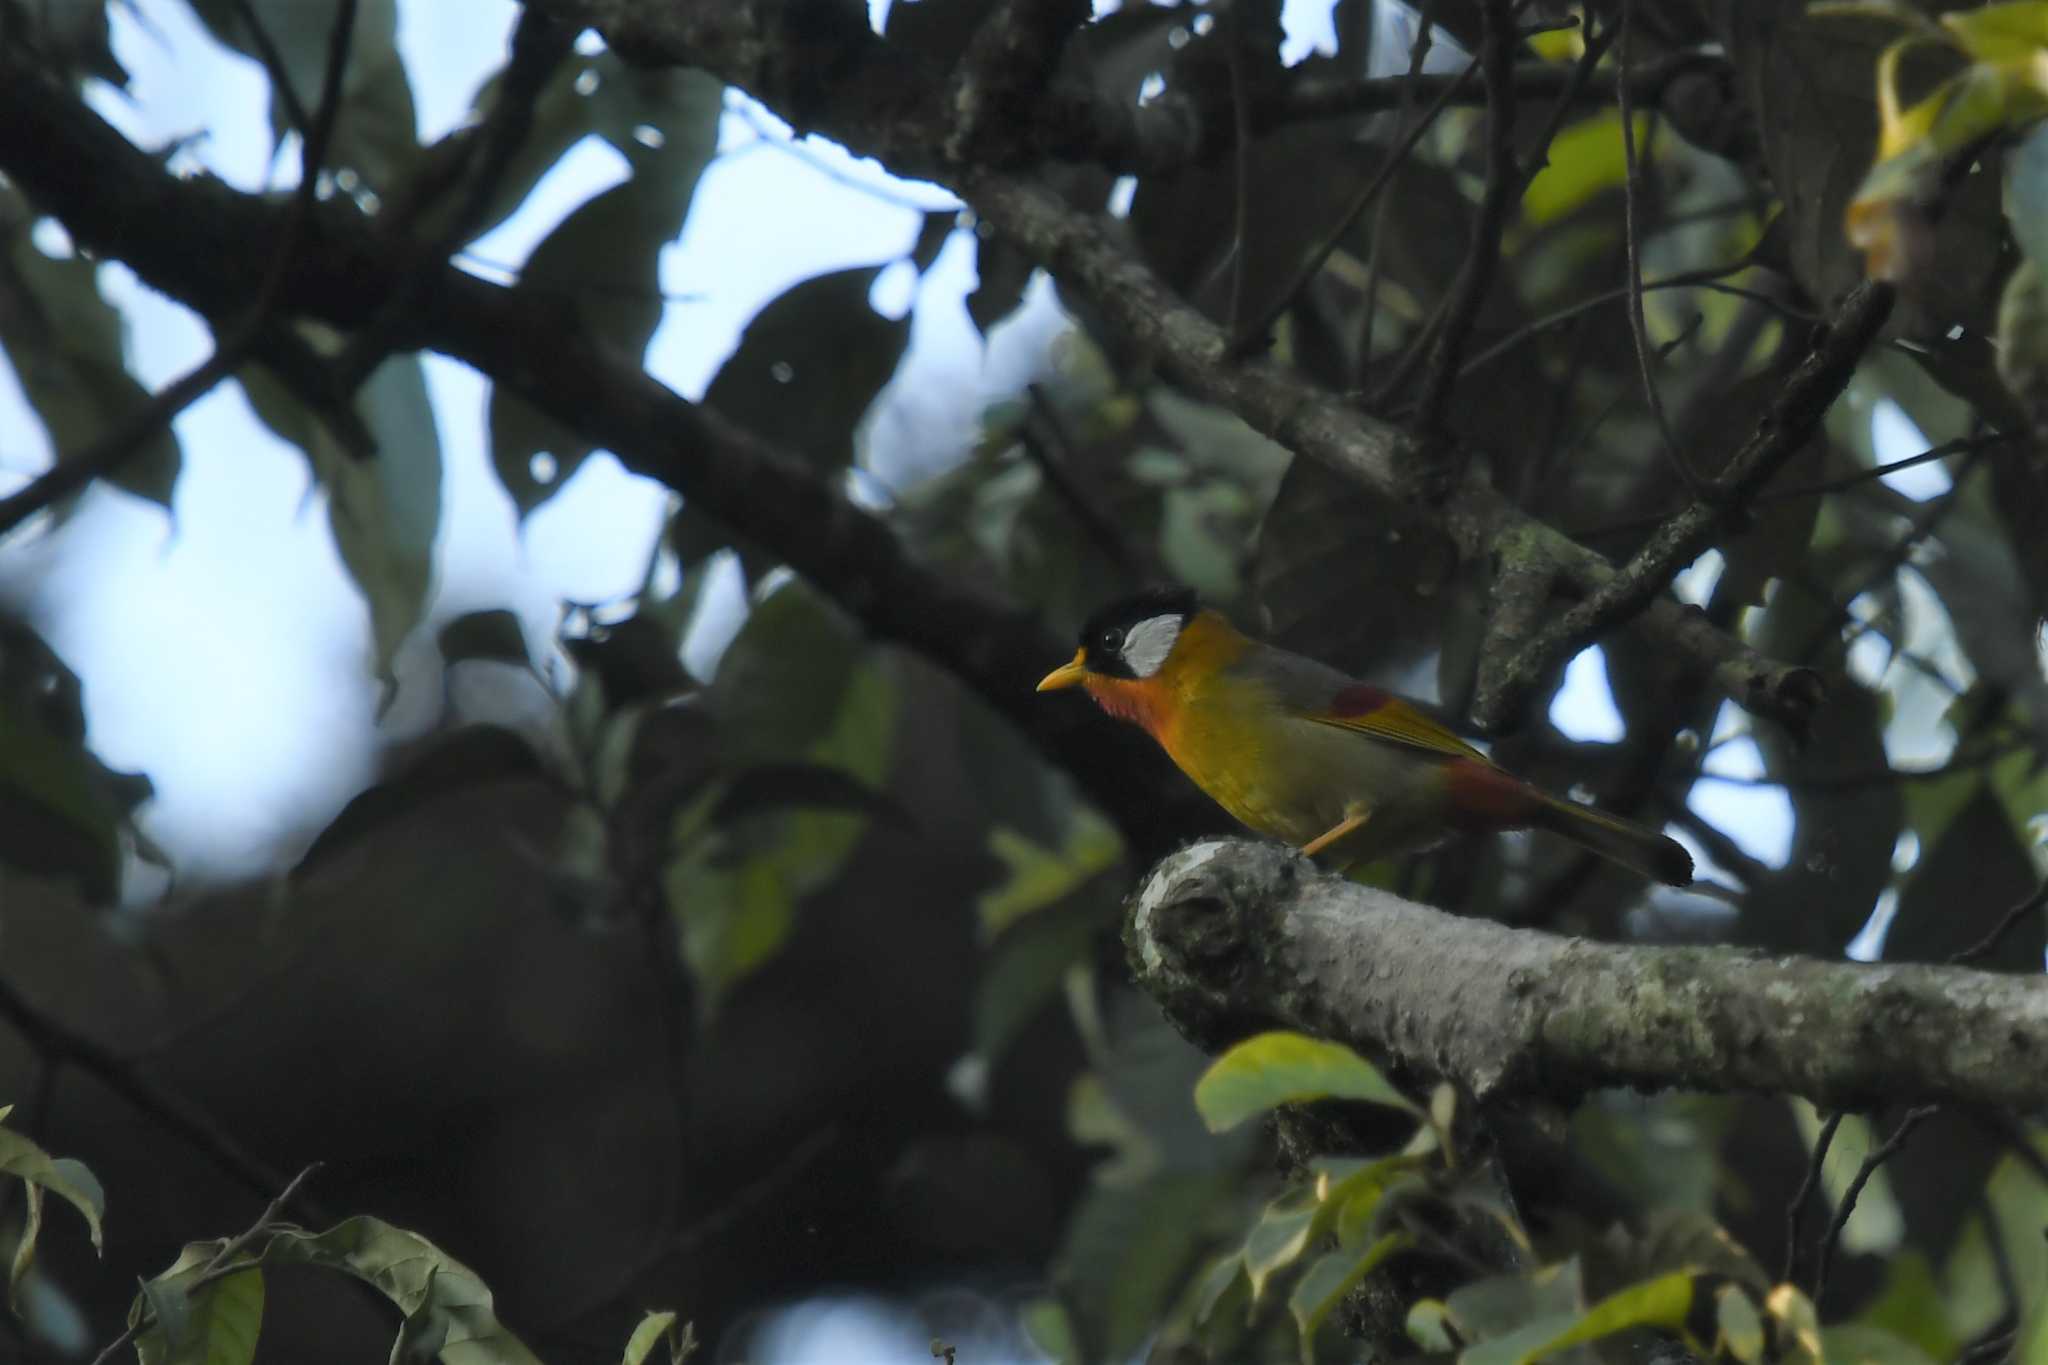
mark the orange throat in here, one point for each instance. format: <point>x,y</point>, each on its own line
<point>1145,702</point>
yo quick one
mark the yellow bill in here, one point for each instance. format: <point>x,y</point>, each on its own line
<point>1066,675</point>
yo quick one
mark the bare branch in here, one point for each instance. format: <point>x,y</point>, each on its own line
<point>1482,257</point>
<point>1883,1153</point>
<point>1784,429</point>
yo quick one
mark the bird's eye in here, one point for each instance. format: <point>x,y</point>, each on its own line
<point>1110,640</point>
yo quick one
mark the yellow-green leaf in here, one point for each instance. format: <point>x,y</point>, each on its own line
<point>654,1329</point>
<point>2000,33</point>
<point>1739,1326</point>
<point>1662,1302</point>
<point>1287,1068</point>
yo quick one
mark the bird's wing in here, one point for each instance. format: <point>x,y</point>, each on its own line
<point>1321,694</point>
<point>1382,715</point>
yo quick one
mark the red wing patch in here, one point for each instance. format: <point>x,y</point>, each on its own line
<point>1359,699</point>
<point>1485,798</point>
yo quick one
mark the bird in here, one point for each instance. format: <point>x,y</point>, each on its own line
<point>1300,752</point>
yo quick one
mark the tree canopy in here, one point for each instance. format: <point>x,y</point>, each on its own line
<point>1651,387</point>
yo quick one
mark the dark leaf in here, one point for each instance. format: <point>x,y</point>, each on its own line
<point>603,259</point>
<point>68,347</point>
<point>469,757</point>
<point>637,659</point>
<point>1001,271</point>
<point>62,812</point>
<point>780,686</point>
<point>495,635</point>
<point>1354,578</point>
<point>810,364</point>
<point>385,513</point>
<point>805,786</point>
<point>1963,886</point>
<point>1811,81</point>
<point>1843,835</point>
<point>377,137</point>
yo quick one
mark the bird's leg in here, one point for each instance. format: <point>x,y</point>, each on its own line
<point>1347,825</point>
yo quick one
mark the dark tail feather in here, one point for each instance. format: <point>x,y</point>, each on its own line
<point>1634,846</point>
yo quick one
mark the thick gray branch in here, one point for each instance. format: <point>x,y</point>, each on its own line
<point>1231,936</point>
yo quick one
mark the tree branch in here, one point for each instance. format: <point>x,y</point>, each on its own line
<point>869,97</point>
<point>1232,936</point>
<point>1007,67</point>
<point>1783,430</point>
<point>192,239</point>
<point>120,444</point>
<point>1482,256</point>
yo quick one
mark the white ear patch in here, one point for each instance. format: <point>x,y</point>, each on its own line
<point>1147,644</point>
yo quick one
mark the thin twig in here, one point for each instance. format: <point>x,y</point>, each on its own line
<point>1988,944</point>
<point>119,445</point>
<point>219,1266</point>
<point>1411,85</point>
<point>1482,255</point>
<point>1052,456</point>
<point>539,44</point>
<point>1241,117</point>
<point>1913,1119</point>
<point>1962,445</point>
<point>1708,279</point>
<point>1784,429</point>
<point>170,1111</point>
<point>1796,1209</point>
<point>1633,243</point>
<point>1254,337</point>
<point>274,63</point>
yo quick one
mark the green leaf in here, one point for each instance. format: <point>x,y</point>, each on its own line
<point>1126,1252</point>
<point>385,512</point>
<point>1739,1326</point>
<point>654,1330</point>
<point>2026,195</point>
<point>68,346</point>
<point>1910,1305</point>
<point>1287,1068</point>
<point>1325,1283</point>
<point>602,261</point>
<point>1662,1302</point>
<point>217,1323</point>
<point>1281,1235</point>
<point>495,635</point>
<point>1855,1343</point>
<point>1219,1279</point>
<point>1026,966</point>
<point>1039,876</point>
<point>804,786</point>
<point>1584,159</point>
<point>377,134</point>
<point>69,1180</point>
<point>1875,1226</point>
<point>442,1299</point>
<point>1050,1330</point>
